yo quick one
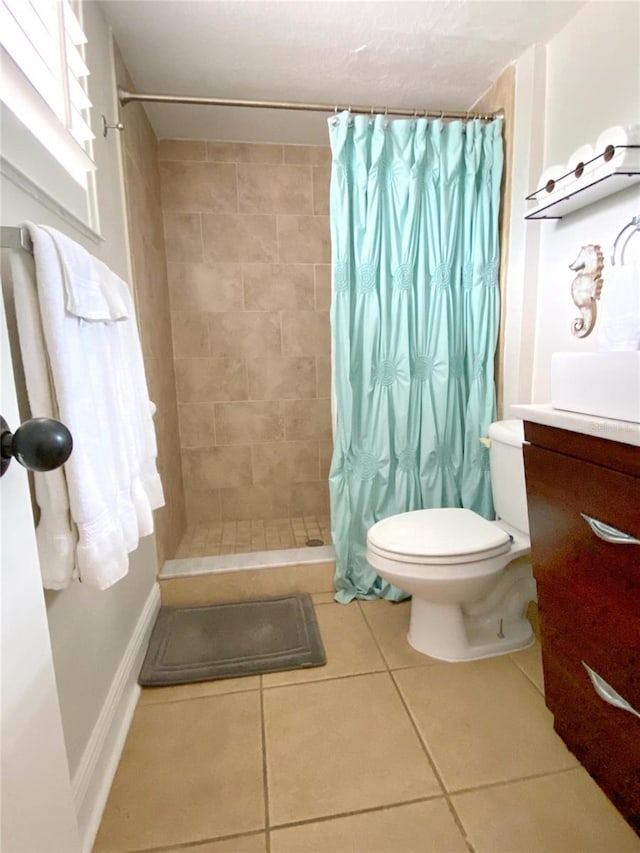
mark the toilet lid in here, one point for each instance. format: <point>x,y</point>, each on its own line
<point>437,533</point>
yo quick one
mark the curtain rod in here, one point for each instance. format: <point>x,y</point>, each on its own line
<point>127,97</point>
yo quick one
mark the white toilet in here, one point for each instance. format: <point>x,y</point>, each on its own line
<point>470,579</point>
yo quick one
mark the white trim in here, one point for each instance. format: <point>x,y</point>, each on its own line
<point>24,183</point>
<point>92,780</point>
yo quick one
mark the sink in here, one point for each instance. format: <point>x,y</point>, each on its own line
<point>604,384</point>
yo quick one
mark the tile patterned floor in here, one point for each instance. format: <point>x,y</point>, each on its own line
<point>239,537</point>
<point>380,751</point>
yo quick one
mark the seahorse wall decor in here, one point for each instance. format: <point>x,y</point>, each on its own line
<point>586,288</point>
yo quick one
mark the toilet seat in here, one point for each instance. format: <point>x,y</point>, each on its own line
<point>437,537</point>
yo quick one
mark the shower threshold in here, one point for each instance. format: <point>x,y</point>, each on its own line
<point>225,563</point>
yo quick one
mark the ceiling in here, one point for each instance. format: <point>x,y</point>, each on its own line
<point>436,54</point>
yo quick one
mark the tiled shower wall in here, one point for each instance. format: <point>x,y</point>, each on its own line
<point>151,293</point>
<point>247,241</point>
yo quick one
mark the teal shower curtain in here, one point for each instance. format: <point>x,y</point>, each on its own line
<point>414,317</point>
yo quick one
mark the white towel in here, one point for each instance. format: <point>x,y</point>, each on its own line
<point>55,532</point>
<point>98,377</point>
<point>618,137</point>
<point>619,310</point>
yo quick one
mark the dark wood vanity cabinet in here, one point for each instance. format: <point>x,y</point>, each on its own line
<point>589,598</point>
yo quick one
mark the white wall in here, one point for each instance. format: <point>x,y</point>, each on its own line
<point>91,631</point>
<point>592,81</point>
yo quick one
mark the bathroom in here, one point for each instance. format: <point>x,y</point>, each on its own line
<point>570,73</point>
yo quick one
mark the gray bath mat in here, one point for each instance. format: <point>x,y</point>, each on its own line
<point>230,640</point>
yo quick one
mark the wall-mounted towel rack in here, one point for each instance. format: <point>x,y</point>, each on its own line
<point>15,237</point>
<point>574,193</point>
<point>635,228</point>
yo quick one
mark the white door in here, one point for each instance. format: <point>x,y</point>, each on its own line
<point>37,812</point>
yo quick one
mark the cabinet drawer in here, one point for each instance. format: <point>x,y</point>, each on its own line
<point>588,589</point>
<point>606,740</point>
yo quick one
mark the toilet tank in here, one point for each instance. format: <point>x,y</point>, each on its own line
<point>507,473</point>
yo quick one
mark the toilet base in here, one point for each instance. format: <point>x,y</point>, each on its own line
<point>443,632</point>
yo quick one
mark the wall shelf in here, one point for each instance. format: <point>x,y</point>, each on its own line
<point>574,193</point>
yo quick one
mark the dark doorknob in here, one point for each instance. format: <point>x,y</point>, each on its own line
<point>40,444</point>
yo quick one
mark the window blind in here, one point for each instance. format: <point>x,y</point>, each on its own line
<point>44,77</point>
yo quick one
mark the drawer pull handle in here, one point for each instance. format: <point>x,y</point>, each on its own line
<point>609,534</point>
<point>606,692</point>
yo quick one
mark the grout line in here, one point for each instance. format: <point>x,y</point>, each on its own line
<point>265,774</point>
<point>313,192</point>
<point>526,674</point>
<point>503,782</point>
<point>320,680</point>
<point>355,812</point>
<point>199,843</point>
<point>375,639</point>
<point>423,744</point>
<point>425,749</point>
<point>170,701</point>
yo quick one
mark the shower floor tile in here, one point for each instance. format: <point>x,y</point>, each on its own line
<point>241,537</point>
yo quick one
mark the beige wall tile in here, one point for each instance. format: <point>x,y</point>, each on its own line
<point>203,506</point>
<point>309,498</point>
<point>244,152</point>
<point>310,155</point>
<point>234,273</point>
<point>205,287</point>
<point>217,467</point>
<point>210,379</point>
<point>306,333</point>
<point>284,462</point>
<point>183,236</point>
<point>274,287</point>
<point>199,187</point>
<point>307,419</point>
<point>322,276</point>
<point>190,334</point>
<point>238,586</point>
<point>249,423</point>
<point>197,424</point>
<point>325,450</point>
<point>323,377</point>
<point>281,378</point>
<point>147,245</point>
<point>182,149</point>
<point>257,501</point>
<point>304,239</point>
<point>321,184</point>
<point>242,237</point>
<point>250,334</point>
<point>274,189</point>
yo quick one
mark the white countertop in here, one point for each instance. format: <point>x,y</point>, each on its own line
<point>544,413</point>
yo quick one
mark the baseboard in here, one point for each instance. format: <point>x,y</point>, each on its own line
<point>92,780</point>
